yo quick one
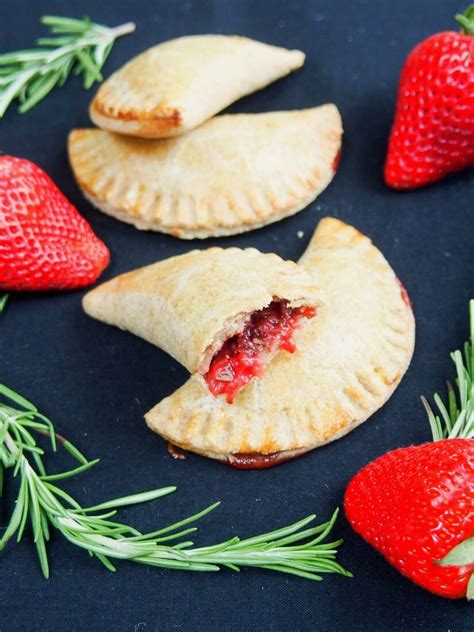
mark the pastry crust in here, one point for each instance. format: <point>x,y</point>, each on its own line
<point>190,304</point>
<point>349,361</point>
<point>234,173</point>
<point>175,86</point>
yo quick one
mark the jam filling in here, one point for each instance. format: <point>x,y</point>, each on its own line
<point>406,299</point>
<point>175,452</point>
<point>337,160</point>
<point>254,461</point>
<point>244,356</point>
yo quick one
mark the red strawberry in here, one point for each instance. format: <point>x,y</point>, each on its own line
<point>414,505</point>
<point>44,243</point>
<point>433,130</point>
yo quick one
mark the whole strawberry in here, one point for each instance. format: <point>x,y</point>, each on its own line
<point>44,243</point>
<point>415,505</point>
<point>433,131</point>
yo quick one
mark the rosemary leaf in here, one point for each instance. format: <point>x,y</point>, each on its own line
<point>457,418</point>
<point>132,500</point>
<point>42,89</point>
<point>77,470</point>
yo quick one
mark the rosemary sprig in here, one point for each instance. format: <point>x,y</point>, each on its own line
<point>456,418</point>
<point>297,549</point>
<point>80,47</point>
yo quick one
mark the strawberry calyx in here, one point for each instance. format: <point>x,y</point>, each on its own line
<point>462,555</point>
<point>466,20</point>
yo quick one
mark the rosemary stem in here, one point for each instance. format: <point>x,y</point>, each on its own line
<point>11,445</point>
<point>123,29</point>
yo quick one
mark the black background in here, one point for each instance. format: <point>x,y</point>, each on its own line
<point>96,382</point>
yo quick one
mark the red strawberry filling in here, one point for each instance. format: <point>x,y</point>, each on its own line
<point>245,355</point>
<point>405,297</point>
<point>254,461</point>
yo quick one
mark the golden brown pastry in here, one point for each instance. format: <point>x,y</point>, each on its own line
<point>202,305</point>
<point>177,85</point>
<point>350,359</point>
<point>233,174</point>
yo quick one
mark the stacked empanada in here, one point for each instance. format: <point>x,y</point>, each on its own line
<point>160,163</point>
<point>176,86</point>
<point>349,357</point>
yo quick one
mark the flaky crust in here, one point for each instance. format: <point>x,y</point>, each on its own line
<point>177,85</point>
<point>233,174</point>
<point>188,305</point>
<point>349,361</point>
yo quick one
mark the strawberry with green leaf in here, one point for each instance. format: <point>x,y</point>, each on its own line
<point>415,505</point>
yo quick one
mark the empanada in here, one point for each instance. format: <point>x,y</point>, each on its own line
<point>177,85</point>
<point>232,174</point>
<point>349,360</point>
<point>223,313</point>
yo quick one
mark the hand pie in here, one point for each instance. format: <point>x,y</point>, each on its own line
<point>222,313</point>
<point>177,85</point>
<point>349,360</point>
<point>232,174</point>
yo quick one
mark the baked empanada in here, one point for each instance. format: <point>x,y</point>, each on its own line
<point>349,360</point>
<point>232,174</point>
<point>221,313</point>
<point>177,85</point>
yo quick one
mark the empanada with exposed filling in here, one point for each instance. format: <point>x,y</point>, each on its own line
<point>221,313</point>
<point>233,174</point>
<point>175,86</point>
<point>350,359</point>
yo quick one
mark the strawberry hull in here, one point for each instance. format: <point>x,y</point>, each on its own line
<point>414,505</point>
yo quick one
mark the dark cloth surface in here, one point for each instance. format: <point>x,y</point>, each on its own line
<point>96,382</point>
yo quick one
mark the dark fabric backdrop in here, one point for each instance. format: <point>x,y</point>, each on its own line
<point>97,382</point>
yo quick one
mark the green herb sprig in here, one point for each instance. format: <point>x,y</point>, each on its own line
<point>297,549</point>
<point>456,418</point>
<point>80,47</point>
